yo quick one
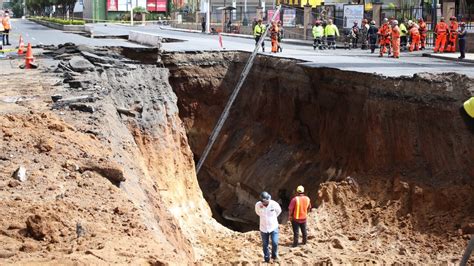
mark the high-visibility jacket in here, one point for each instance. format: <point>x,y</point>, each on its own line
<point>396,32</point>
<point>299,207</point>
<point>414,31</point>
<point>331,30</point>
<point>259,30</point>
<point>469,107</point>
<point>318,31</point>
<point>6,23</point>
<point>453,28</point>
<point>423,29</point>
<point>441,28</point>
<point>403,30</point>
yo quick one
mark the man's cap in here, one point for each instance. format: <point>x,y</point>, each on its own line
<point>300,189</point>
<point>265,196</point>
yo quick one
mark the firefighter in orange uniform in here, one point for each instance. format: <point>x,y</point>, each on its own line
<point>384,37</point>
<point>453,35</point>
<point>441,31</point>
<point>414,36</point>
<point>423,29</point>
<point>395,39</point>
<point>274,36</point>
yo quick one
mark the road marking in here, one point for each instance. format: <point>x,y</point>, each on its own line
<point>33,38</point>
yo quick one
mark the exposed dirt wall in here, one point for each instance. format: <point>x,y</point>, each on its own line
<point>400,139</point>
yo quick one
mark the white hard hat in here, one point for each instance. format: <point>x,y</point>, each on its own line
<point>395,22</point>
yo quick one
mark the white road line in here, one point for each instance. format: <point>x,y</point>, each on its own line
<point>33,38</point>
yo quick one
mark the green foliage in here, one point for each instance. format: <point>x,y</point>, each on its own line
<point>140,10</point>
<point>61,21</point>
<point>17,8</point>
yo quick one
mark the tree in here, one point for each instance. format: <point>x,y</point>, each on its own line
<point>17,8</point>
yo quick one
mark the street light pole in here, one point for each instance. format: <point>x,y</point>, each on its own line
<point>208,17</point>
<point>131,12</point>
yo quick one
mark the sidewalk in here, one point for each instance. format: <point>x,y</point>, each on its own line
<point>451,56</point>
<point>289,41</point>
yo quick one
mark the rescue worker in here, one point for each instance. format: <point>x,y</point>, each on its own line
<point>403,35</point>
<point>396,39</point>
<point>384,37</point>
<point>453,35</point>
<point>415,37</point>
<point>298,210</point>
<point>7,26</point>
<point>331,32</point>
<point>281,32</point>
<point>441,31</point>
<point>372,35</point>
<point>318,33</point>
<point>1,30</point>
<point>268,211</point>
<point>274,36</point>
<point>423,29</point>
<point>364,35</point>
<point>258,31</point>
<point>462,39</point>
<point>355,34</point>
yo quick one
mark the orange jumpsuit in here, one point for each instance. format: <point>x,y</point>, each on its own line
<point>441,31</point>
<point>396,41</point>
<point>423,30</point>
<point>274,36</point>
<point>384,37</point>
<point>453,36</point>
<point>415,39</point>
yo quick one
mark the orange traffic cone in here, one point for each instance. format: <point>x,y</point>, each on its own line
<point>21,46</point>
<point>29,56</point>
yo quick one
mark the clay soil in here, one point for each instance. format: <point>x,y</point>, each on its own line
<point>117,185</point>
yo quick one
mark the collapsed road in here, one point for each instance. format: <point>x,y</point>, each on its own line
<point>109,138</point>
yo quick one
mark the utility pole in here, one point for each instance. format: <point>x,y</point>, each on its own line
<point>208,17</point>
<point>131,12</point>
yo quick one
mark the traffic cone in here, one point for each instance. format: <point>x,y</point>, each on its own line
<point>220,41</point>
<point>29,56</point>
<point>21,46</point>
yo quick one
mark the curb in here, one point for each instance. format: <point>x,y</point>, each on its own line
<point>288,41</point>
<point>448,58</point>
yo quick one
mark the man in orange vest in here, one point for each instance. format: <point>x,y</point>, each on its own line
<point>298,210</point>
<point>395,39</point>
<point>441,30</point>
<point>423,32</point>
<point>453,35</point>
<point>384,37</point>
<point>6,28</point>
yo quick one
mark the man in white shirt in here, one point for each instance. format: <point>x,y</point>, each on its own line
<point>268,211</point>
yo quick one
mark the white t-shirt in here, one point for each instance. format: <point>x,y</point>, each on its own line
<point>268,215</point>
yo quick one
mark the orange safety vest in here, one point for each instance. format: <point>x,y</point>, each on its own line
<point>6,23</point>
<point>396,32</point>
<point>441,28</point>
<point>414,31</point>
<point>302,204</point>
<point>423,28</point>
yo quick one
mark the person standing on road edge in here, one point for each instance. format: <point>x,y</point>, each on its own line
<point>395,39</point>
<point>372,35</point>
<point>281,31</point>
<point>268,211</point>
<point>298,210</point>
<point>1,31</point>
<point>331,32</point>
<point>6,28</point>
<point>258,31</point>
<point>203,24</point>
<point>462,39</point>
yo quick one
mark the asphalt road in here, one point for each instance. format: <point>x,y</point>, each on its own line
<point>353,60</point>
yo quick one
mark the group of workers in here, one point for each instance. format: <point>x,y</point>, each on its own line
<point>276,34</point>
<point>392,36</point>
<point>268,211</point>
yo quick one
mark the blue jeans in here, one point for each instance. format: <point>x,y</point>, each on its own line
<point>265,242</point>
